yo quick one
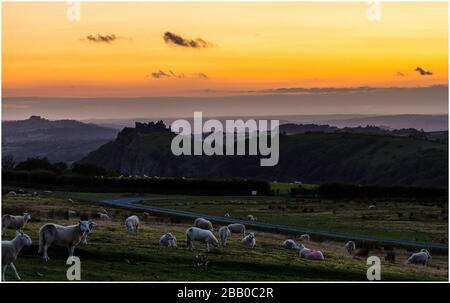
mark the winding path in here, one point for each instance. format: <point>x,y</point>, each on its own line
<point>131,202</point>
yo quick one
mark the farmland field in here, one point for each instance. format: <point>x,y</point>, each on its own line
<point>113,254</point>
<point>410,220</point>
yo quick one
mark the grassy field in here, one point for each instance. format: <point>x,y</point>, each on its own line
<point>113,254</point>
<point>421,221</point>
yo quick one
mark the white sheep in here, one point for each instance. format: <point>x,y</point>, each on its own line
<point>421,257</point>
<point>103,216</point>
<point>224,234</point>
<point>249,240</point>
<point>237,228</point>
<point>12,193</point>
<point>290,244</point>
<point>227,215</point>
<point>71,213</point>
<point>372,206</point>
<point>203,224</point>
<point>65,236</point>
<point>132,223</point>
<point>350,246</point>
<point>252,218</point>
<point>203,235</point>
<point>168,240</point>
<point>310,254</point>
<point>14,222</point>
<point>10,251</point>
<point>92,226</point>
<point>305,237</point>
<point>70,201</point>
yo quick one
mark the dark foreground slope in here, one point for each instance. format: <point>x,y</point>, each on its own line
<point>309,157</point>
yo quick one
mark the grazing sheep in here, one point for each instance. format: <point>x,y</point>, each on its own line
<point>203,224</point>
<point>372,206</point>
<point>310,254</point>
<point>237,228</point>
<point>11,249</point>
<point>224,234</point>
<point>70,201</point>
<point>12,193</point>
<point>252,218</point>
<point>146,214</point>
<point>203,235</point>
<point>14,222</point>
<point>103,216</point>
<point>65,236</point>
<point>71,213</point>
<point>227,215</point>
<point>290,244</point>
<point>305,237</point>
<point>132,223</point>
<point>249,240</point>
<point>92,226</point>
<point>47,191</point>
<point>350,246</point>
<point>421,257</point>
<point>168,240</point>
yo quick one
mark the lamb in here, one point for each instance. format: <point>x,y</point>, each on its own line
<point>168,240</point>
<point>203,235</point>
<point>224,234</point>
<point>103,216</point>
<point>237,228</point>
<point>14,222</point>
<point>421,257</point>
<point>71,213</point>
<point>132,223</point>
<point>310,254</point>
<point>10,251</point>
<point>305,237</point>
<point>252,218</point>
<point>203,224</point>
<point>290,244</point>
<point>92,226</point>
<point>65,236</point>
<point>249,240</point>
<point>350,246</point>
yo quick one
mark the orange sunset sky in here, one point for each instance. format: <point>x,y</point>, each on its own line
<point>118,49</point>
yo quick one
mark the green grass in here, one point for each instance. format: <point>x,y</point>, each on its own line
<point>113,254</point>
<point>389,219</point>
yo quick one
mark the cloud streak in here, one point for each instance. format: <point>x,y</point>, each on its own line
<point>174,39</point>
<point>101,38</point>
<point>160,74</point>
<point>423,72</point>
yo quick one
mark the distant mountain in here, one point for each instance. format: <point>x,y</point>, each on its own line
<point>428,123</point>
<point>313,157</point>
<point>61,140</point>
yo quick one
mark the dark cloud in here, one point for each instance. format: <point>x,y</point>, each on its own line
<point>101,38</point>
<point>170,74</point>
<point>423,72</point>
<point>171,38</point>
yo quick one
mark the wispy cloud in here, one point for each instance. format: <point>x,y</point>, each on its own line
<point>101,38</point>
<point>423,72</point>
<point>171,38</point>
<point>170,74</point>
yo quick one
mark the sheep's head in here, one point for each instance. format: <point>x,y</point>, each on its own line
<point>27,216</point>
<point>84,226</point>
<point>24,238</point>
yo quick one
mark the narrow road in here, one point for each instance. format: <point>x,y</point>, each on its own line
<point>131,202</point>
